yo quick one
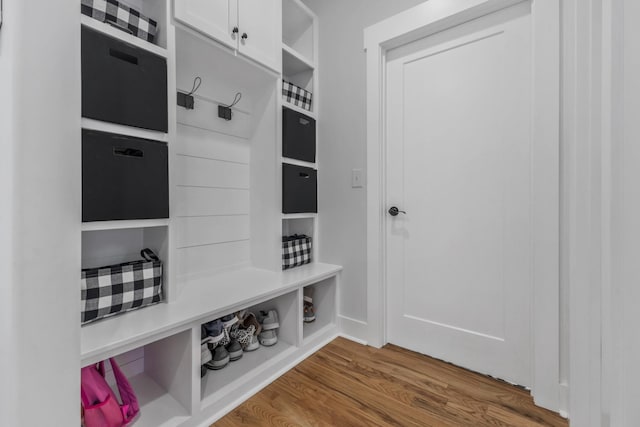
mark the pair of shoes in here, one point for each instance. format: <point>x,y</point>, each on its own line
<point>214,331</point>
<point>205,353</point>
<point>205,357</point>
<point>234,348</point>
<point>270,324</point>
<point>221,347</point>
<point>246,337</point>
<point>249,329</point>
<point>247,319</point>
<point>308,311</point>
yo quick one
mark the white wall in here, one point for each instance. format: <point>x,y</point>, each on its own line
<point>40,213</point>
<point>342,139</point>
<point>7,356</point>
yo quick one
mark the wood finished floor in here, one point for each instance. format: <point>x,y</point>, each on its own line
<point>347,384</point>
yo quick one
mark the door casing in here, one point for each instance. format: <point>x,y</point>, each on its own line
<point>419,22</point>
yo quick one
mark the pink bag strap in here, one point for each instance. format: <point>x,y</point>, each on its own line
<point>83,395</point>
<point>85,400</point>
<point>130,407</point>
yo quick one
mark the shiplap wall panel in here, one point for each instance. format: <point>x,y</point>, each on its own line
<point>211,145</point>
<point>199,260</point>
<point>205,116</point>
<point>200,201</point>
<point>200,172</point>
<point>212,178</point>
<point>206,230</point>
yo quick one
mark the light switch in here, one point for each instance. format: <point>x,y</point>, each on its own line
<point>357,178</point>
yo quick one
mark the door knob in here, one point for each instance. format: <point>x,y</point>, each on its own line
<point>394,211</point>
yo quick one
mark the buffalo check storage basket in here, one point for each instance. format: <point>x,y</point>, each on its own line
<point>296,251</point>
<point>121,16</point>
<point>296,95</point>
<point>111,290</point>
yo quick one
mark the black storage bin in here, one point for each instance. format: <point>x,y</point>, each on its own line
<point>299,189</point>
<point>122,83</point>
<point>123,177</point>
<point>298,136</point>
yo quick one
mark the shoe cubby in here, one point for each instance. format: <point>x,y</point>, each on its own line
<point>160,374</point>
<point>324,302</point>
<point>220,384</point>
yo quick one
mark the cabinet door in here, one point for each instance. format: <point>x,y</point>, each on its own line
<point>261,22</point>
<point>214,18</point>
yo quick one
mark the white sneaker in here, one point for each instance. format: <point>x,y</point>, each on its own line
<point>253,345</point>
<point>268,338</point>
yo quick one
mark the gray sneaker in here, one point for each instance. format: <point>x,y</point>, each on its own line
<point>268,320</point>
<point>235,350</point>
<point>214,332</point>
<point>220,359</point>
<point>268,338</point>
<point>205,354</point>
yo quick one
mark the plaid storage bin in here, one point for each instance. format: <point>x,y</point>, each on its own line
<point>122,17</point>
<point>296,95</point>
<point>296,251</point>
<point>115,289</point>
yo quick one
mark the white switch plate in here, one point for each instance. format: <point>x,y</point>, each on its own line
<point>357,178</point>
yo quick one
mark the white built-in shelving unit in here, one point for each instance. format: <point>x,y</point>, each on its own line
<point>300,67</point>
<point>221,246</point>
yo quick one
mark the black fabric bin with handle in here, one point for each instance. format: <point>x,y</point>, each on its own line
<point>299,189</point>
<point>298,136</point>
<point>122,83</point>
<point>123,177</point>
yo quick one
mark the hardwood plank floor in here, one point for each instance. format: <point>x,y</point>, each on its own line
<point>348,384</point>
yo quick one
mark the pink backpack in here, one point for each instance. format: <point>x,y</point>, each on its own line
<point>99,403</point>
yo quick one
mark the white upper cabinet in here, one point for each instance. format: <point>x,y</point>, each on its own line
<point>253,27</point>
<point>260,23</point>
<point>215,18</point>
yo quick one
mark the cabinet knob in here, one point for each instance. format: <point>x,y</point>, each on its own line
<point>244,36</point>
<point>234,32</point>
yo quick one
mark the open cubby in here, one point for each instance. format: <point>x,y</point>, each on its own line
<point>298,28</point>
<point>107,247</point>
<point>324,302</point>
<point>153,9</point>
<point>302,224</point>
<point>159,374</point>
<point>217,384</point>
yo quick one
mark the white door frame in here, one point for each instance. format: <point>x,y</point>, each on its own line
<point>421,21</point>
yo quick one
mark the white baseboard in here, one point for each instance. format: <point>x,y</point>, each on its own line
<point>353,329</point>
<point>564,400</point>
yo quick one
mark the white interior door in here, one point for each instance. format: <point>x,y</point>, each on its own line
<point>458,161</point>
